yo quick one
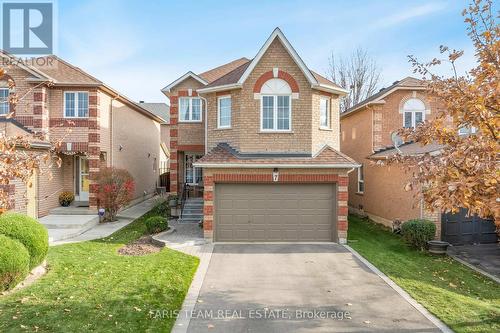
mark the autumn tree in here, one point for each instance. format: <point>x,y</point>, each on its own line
<point>466,171</point>
<point>358,73</point>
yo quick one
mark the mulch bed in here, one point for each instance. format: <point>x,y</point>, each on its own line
<point>142,246</point>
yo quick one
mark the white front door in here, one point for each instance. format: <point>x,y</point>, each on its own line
<point>83,178</point>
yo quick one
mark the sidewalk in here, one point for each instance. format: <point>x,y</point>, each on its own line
<point>101,230</point>
<point>188,238</point>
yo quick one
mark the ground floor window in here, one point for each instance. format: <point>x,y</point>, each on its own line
<point>361,180</point>
<point>193,175</point>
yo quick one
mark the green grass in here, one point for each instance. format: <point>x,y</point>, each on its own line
<point>89,287</point>
<point>463,299</point>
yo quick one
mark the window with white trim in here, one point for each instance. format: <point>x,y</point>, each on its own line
<point>193,175</point>
<point>467,130</point>
<point>276,107</point>
<point>224,112</point>
<point>413,113</point>
<point>361,180</point>
<point>4,101</point>
<point>76,104</point>
<point>324,113</point>
<point>190,109</point>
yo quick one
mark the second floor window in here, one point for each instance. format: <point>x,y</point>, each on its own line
<point>190,109</point>
<point>224,112</point>
<point>76,104</point>
<point>413,113</point>
<point>324,113</point>
<point>4,101</point>
<point>275,113</point>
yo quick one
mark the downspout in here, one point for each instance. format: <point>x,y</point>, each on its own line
<point>111,130</point>
<point>206,123</point>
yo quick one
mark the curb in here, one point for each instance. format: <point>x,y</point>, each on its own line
<point>477,269</point>
<point>433,319</point>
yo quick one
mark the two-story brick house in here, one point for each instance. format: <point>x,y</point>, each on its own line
<point>107,129</point>
<point>261,137</point>
<point>368,136</point>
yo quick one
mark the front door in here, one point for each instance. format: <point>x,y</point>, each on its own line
<point>193,175</point>
<point>31,194</point>
<point>82,179</point>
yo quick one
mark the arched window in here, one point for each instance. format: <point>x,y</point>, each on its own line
<point>4,98</point>
<point>276,97</point>
<point>413,113</point>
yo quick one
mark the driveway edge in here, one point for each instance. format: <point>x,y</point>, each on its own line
<point>181,324</point>
<point>477,269</point>
<point>433,319</point>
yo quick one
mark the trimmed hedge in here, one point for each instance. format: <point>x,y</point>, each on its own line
<point>418,232</point>
<point>156,224</point>
<point>28,232</point>
<point>14,263</point>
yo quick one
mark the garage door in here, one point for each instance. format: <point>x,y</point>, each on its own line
<point>275,212</point>
<point>460,229</point>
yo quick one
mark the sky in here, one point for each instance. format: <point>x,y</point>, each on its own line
<point>138,47</point>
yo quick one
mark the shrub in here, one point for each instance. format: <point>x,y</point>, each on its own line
<point>115,189</point>
<point>14,262</point>
<point>161,208</point>
<point>28,232</point>
<point>156,224</point>
<point>66,198</point>
<point>417,232</point>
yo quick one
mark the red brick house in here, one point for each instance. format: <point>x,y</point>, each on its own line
<point>260,139</point>
<point>378,191</point>
<point>57,96</point>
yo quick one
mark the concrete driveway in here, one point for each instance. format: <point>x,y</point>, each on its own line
<point>298,288</point>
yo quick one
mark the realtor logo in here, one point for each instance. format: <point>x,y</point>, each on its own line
<point>28,27</point>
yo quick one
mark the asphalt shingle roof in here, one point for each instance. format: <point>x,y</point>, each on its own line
<point>161,110</point>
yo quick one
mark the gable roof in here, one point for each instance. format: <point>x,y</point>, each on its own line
<point>406,83</point>
<point>162,110</point>
<point>224,156</point>
<point>62,73</point>
<point>233,74</point>
<point>217,72</point>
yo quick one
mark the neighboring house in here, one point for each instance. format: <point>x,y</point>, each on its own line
<point>368,136</point>
<point>161,110</point>
<point>107,129</point>
<point>260,139</point>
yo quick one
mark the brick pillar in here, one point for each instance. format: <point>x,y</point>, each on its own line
<point>94,150</point>
<point>208,206</point>
<point>377,128</point>
<point>40,110</point>
<point>343,210</point>
<point>174,156</point>
<point>434,217</point>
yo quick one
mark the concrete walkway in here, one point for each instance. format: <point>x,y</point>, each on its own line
<point>188,238</point>
<point>101,230</point>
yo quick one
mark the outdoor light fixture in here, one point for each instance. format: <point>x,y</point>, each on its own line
<point>276,175</point>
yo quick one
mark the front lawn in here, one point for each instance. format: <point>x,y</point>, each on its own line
<point>463,299</point>
<point>89,287</point>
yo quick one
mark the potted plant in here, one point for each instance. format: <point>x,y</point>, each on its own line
<point>173,200</point>
<point>66,198</point>
<point>437,246</point>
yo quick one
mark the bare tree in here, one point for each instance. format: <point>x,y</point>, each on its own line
<point>358,73</point>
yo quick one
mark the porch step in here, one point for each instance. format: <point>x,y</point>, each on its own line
<point>72,210</point>
<point>69,222</point>
<point>190,220</point>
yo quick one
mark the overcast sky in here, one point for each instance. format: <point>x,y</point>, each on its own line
<point>138,47</point>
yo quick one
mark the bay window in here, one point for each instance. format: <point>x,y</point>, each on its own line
<point>224,112</point>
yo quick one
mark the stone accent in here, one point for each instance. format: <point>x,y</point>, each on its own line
<point>94,149</point>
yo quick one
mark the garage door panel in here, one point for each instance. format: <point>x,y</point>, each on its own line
<point>276,212</point>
